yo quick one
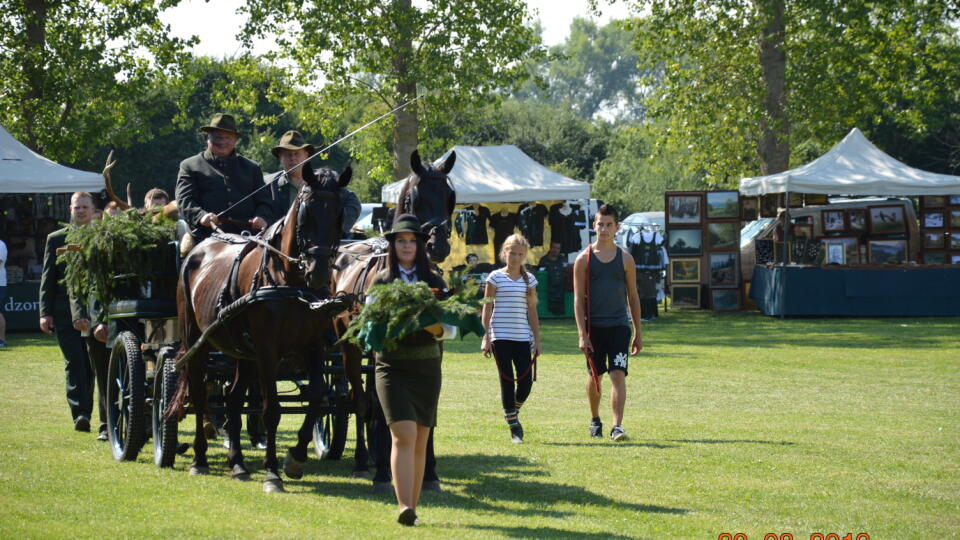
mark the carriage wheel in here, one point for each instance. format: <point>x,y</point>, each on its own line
<point>164,431</point>
<point>126,398</point>
<point>330,431</point>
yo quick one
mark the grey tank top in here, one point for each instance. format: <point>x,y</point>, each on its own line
<point>608,291</point>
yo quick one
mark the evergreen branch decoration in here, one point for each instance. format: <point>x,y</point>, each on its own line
<point>126,243</point>
<point>401,309</point>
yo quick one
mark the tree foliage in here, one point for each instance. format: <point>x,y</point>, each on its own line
<point>73,71</point>
<point>849,63</point>
<point>452,55</point>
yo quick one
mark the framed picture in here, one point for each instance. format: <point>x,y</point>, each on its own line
<point>856,220</point>
<point>814,199</point>
<point>723,269</point>
<point>933,240</point>
<point>682,242</point>
<point>887,220</point>
<point>955,258</point>
<point>832,220</point>
<point>934,257</point>
<point>685,296</point>
<point>851,249</point>
<point>685,270</point>
<point>954,239</point>
<point>749,208</point>
<point>769,204</point>
<point>932,201</point>
<point>725,299</point>
<point>955,218</point>
<point>684,208</point>
<point>796,200</point>
<point>836,253</point>
<point>723,235</point>
<point>723,204</point>
<point>932,220</point>
<point>803,230</point>
<point>953,199</point>
<point>887,251</point>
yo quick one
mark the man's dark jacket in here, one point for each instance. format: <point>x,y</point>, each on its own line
<point>53,293</point>
<point>207,183</point>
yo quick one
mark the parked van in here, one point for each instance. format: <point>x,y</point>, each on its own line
<point>814,217</point>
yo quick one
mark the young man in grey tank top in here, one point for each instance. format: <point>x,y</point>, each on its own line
<point>604,284</point>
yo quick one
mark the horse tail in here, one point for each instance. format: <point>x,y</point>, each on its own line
<point>177,408</point>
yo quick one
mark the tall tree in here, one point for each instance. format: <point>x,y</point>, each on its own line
<point>451,55</point>
<point>72,70</point>
<point>745,80</point>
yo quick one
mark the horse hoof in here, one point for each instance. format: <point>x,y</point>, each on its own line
<point>293,467</point>
<point>273,484</point>
<point>239,473</point>
<point>197,470</point>
<point>209,430</point>
<point>431,485</point>
<point>361,474</point>
<point>382,487</point>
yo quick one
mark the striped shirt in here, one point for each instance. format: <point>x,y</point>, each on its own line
<point>509,320</point>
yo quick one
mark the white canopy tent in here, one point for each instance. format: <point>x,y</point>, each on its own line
<point>854,167</point>
<point>24,171</point>
<point>501,174</point>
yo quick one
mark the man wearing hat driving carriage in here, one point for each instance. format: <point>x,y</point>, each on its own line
<point>218,181</point>
<point>293,150</point>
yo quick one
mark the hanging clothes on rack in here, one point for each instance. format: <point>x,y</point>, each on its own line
<point>648,252</point>
<point>531,223</point>
<point>503,223</point>
<point>563,227</point>
<point>471,224</point>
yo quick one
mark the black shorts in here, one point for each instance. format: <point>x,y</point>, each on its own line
<point>611,348</point>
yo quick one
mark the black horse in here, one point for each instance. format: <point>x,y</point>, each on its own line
<point>260,302</point>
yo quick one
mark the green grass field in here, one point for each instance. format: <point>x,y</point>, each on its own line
<point>739,423</point>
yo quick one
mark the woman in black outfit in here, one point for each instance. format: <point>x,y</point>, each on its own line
<point>408,377</point>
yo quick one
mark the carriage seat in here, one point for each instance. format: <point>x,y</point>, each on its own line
<point>143,308</point>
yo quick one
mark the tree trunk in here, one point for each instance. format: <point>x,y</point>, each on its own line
<point>406,122</point>
<point>35,23</point>
<point>774,146</point>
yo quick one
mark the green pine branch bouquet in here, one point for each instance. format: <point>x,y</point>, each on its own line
<point>124,244</point>
<point>403,308</point>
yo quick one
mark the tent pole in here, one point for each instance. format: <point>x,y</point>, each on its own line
<point>786,250</point>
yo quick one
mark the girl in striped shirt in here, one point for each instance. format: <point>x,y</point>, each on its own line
<point>512,328</point>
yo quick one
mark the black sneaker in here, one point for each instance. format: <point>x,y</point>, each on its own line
<point>596,429</point>
<point>516,433</point>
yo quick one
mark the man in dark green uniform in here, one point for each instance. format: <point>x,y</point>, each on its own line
<point>217,179</point>
<point>88,318</point>
<point>55,316</point>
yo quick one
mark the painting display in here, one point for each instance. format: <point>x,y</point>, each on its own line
<point>685,296</point>
<point>769,204</point>
<point>934,257</point>
<point>684,242</point>
<point>814,199</point>
<point>832,220</point>
<point>723,235</point>
<point>955,218</point>
<point>955,258</point>
<point>851,249</point>
<point>725,299</point>
<point>749,208</point>
<point>932,201</point>
<point>856,220</point>
<point>683,209</point>
<point>933,220</point>
<point>955,240</point>
<point>803,230</point>
<point>887,220</point>
<point>836,253</point>
<point>723,269</point>
<point>887,251</point>
<point>723,204</point>
<point>685,271</point>
<point>933,240</point>
<point>954,199</point>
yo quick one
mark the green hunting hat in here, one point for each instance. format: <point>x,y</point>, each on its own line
<point>292,140</point>
<point>406,223</point>
<point>223,122</point>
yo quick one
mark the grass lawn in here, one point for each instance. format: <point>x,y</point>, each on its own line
<point>739,423</point>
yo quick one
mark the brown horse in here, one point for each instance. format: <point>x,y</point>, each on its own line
<point>260,302</point>
<point>428,194</point>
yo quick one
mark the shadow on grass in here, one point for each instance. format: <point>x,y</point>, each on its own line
<point>497,484</point>
<point>731,441</point>
<point>545,532</point>
<point>604,442</point>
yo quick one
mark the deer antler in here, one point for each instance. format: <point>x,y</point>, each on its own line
<point>106,177</point>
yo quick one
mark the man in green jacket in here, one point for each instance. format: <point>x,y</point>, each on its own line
<point>89,318</point>
<point>55,317</point>
<point>213,181</point>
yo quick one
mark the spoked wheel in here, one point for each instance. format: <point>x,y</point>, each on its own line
<point>330,432</point>
<point>164,431</point>
<point>126,397</point>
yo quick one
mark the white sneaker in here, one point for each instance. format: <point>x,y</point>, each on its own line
<point>618,434</point>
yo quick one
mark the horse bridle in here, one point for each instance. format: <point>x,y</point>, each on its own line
<point>316,252</point>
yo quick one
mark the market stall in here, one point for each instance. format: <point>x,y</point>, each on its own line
<point>34,199</point>
<point>499,190</point>
<point>884,277</point>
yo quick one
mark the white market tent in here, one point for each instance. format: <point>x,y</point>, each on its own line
<point>501,174</point>
<point>854,167</point>
<point>24,171</point>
